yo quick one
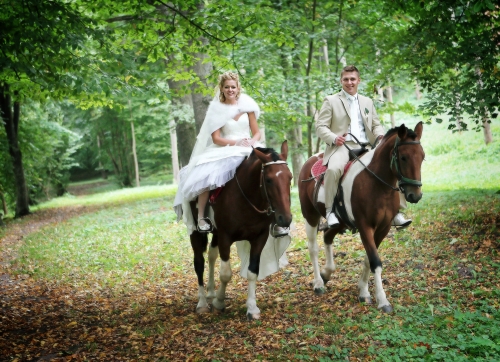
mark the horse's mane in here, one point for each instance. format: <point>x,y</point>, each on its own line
<point>409,132</point>
<point>271,151</point>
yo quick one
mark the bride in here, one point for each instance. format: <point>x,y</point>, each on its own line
<point>227,136</point>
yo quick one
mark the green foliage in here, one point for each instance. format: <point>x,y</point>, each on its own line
<point>450,49</point>
<point>446,335</point>
<point>48,149</point>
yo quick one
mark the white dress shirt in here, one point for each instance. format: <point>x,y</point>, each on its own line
<point>357,127</point>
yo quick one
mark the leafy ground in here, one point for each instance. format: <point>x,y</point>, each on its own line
<point>109,277</point>
<point>116,282</point>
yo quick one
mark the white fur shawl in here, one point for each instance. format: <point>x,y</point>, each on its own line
<point>218,113</point>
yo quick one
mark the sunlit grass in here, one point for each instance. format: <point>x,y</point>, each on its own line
<point>121,196</point>
<point>119,245</point>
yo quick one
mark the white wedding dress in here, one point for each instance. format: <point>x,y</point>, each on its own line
<point>217,165</point>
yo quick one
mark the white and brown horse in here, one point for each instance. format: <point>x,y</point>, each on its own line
<point>371,185</point>
<point>257,197</point>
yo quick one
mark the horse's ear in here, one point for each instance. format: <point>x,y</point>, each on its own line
<point>284,150</point>
<point>402,132</point>
<point>262,156</point>
<point>419,128</point>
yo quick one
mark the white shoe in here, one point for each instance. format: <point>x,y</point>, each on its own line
<point>279,231</point>
<point>332,220</point>
<point>204,226</point>
<point>400,222</point>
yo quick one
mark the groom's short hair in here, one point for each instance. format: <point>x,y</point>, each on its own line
<point>348,69</point>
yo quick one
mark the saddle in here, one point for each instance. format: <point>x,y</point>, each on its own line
<point>318,169</point>
<point>318,173</point>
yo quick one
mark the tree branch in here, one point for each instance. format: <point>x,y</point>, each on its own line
<point>199,27</point>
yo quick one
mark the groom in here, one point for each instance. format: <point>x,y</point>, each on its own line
<point>342,113</point>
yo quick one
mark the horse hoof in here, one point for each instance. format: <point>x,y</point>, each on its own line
<point>253,317</point>
<point>319,291</point>
<point>325,280</point>
<point>386,309</point>
<point>366,300</point>
<point>219,311</point>
<point>220,306</point>
<point>202,310</point>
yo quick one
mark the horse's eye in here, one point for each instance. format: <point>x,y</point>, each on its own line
<point>268,180</point>
<point>403,158</point>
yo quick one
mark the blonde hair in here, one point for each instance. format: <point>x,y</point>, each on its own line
<point>222,79</point>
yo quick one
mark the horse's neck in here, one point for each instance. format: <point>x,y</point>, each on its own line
<point>249,174</point>
<point>381,161</point>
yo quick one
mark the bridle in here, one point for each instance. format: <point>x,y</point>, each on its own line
<point>270,208</point>
<point>402,181</point>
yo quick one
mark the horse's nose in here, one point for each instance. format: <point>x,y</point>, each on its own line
<point>414,197</point>
<point>284,220</point>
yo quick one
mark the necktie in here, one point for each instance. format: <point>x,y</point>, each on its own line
<point>354,117</point>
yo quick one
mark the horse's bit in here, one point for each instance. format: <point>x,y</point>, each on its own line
<point>269,209</point>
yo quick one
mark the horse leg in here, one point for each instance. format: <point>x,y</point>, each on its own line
<point>213,253</point>
<point>366,234</point>
<point>199,244</point>
<point>364,294</point>
<point>318,283</point>
<point>225,274</point>
<point>329,268</point>
<point>253,312</point>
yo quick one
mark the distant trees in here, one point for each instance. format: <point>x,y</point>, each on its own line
<point>155,64</point>
<point>452,48</point>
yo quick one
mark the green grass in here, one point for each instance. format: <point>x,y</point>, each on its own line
<point>119,245</point>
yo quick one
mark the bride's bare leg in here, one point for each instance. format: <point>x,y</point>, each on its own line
<point>202,202</point>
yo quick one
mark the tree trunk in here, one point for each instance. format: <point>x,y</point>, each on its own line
<point>104,173</point>
<point>418,94</point>
<point>134,153</point>
<point>201,101</point>
<point>389,99</point>
<point>134,150</point>
<point>11,124</point>
<point>175,156</point>
<point>488,137</point>
<point>309,112</point>
<point>4,204</point>
<point>186,131</point>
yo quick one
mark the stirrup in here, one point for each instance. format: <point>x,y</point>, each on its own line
<point>207,228</point>
<point>278,231</point>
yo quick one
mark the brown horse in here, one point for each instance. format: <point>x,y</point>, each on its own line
<point>244,211</point>
<point>374,201</point>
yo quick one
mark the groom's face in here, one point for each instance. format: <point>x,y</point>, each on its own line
<point>350,82</point>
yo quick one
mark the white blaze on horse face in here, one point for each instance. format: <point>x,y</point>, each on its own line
<point>278,173</point>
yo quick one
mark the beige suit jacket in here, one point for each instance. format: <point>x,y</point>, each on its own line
<point>334,120</point>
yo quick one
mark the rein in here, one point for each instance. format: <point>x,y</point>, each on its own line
<point>269,209</point>
<point>394,160</point>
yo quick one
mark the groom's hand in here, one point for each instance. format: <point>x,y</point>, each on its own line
<point>339,141</point>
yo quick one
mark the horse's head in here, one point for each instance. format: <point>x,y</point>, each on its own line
<point>276,181</point>
<point>406,161</point>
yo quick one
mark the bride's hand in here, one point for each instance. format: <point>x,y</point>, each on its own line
<point>245,142</point>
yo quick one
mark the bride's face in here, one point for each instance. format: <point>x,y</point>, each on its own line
<point>230,90</point>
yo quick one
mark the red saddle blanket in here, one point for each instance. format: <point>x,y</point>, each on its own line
<point>318,169</point>
<point>214,194</point>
